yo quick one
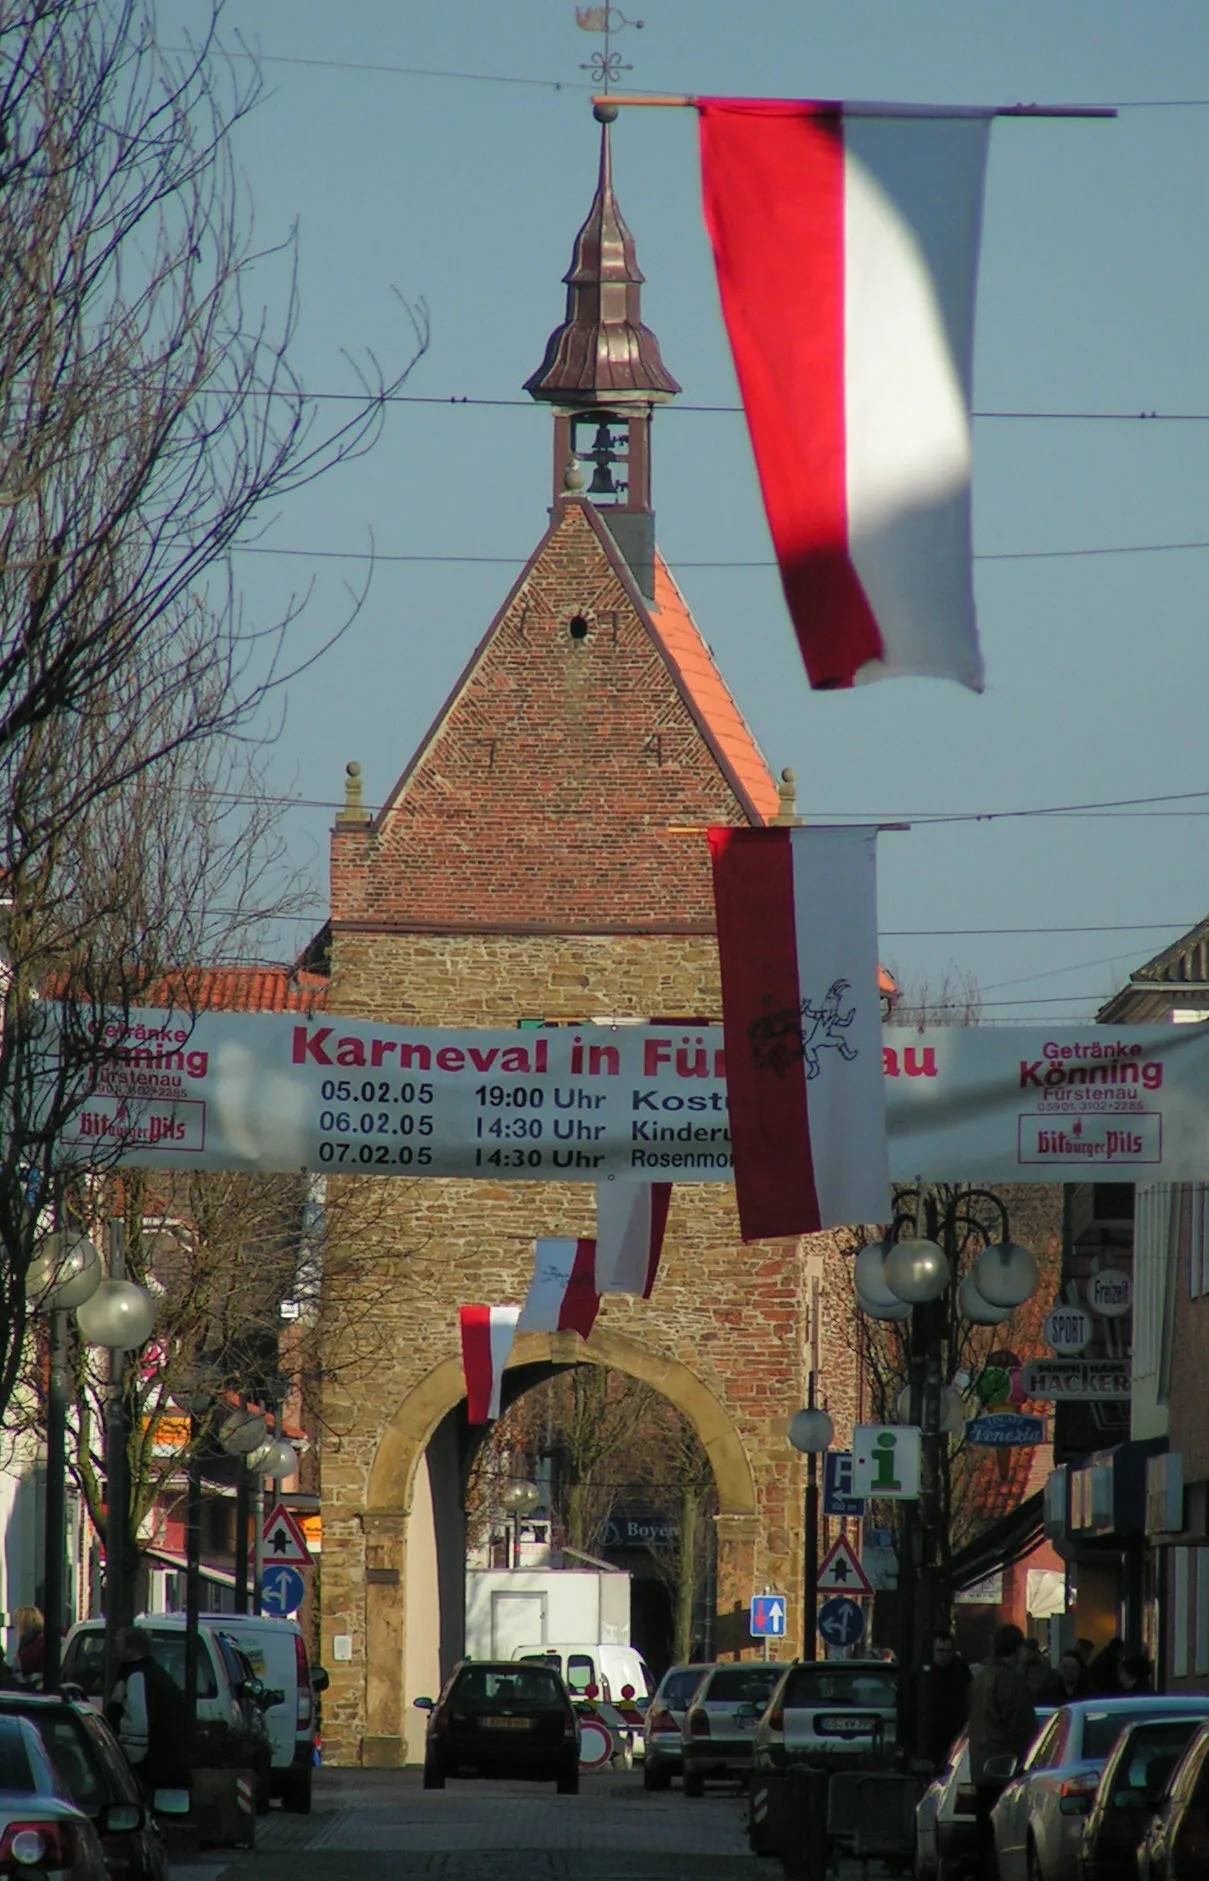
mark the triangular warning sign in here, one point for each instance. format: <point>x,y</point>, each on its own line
<point>283,1540</point>
<point>840,1572</point>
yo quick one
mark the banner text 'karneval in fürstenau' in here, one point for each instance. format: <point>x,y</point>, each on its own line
<point>282,1092</point>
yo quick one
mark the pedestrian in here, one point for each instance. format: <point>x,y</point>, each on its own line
<point>1068,1684</point>
<point>1002,1725</point>
<point>1104,1672</point>
<point>1136,1673</point>
<point>31,1645</point>
<point>152,1722</point>
<point>933,1704</point>
<point>1038,1670</point>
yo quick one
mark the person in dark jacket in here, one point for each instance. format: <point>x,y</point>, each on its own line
<point>1104,1672</point>
<point>152,1722</point>
<point>1068,1684</point>
<point>933,1704</point>
<point>1002,1724</point>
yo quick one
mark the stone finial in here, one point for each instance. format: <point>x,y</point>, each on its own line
<point>354,810</point>
<point>787,809</point>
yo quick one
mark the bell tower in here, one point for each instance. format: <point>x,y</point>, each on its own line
<point>603,375</point>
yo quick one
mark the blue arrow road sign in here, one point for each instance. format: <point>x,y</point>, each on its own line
<point>841,1622</point>
<point>767,1616</point>
<point>838,1498</point>
<point>281,1589</point>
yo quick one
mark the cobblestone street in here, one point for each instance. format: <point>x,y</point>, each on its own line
<point>612,1831</point>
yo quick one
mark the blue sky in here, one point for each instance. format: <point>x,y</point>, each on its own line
<point>1094,298</point>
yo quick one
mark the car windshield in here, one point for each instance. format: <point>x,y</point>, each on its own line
<point>678,1687</point>
<point>518,1685</point>
<point>743,1684</point>
<point>860,1686</point>
<point>1101,1729</point>
<point>84,1664</point>
<point>1152,1753</point>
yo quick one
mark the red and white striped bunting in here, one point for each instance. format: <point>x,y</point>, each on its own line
<point>631,1218</point>
<point>487,1335</point>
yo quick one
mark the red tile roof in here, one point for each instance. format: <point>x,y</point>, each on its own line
<point>709,696</point>
<point>244,989</point>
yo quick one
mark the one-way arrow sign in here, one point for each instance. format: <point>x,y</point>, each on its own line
<point>283,1540</point>
<point>840,1572</point>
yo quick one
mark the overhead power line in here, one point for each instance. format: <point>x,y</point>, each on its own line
<point>516,561</point>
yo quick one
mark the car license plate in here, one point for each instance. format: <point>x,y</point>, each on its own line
<point>508,1724</point>
<point>843,1724</point>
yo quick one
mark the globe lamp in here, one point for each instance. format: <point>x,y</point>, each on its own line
<point>873,1296</point>
<point>64,1273</point>
<point>979,1311</point>
<point>242,1432</point>
<point>119,1314</point>
<point>1005,1274</point>
<point>810,1431</point>
<point>916,1271</point>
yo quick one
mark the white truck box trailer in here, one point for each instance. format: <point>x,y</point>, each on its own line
<point>510,1607</point>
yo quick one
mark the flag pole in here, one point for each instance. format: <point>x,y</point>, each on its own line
<point>687,101</point>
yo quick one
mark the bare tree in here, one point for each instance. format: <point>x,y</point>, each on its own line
<point>148,414</point>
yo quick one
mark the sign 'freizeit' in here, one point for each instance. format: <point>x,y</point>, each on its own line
<point>581,1103</point>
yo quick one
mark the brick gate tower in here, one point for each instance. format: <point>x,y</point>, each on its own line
<point>542,858</point>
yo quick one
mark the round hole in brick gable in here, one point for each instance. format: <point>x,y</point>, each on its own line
<point>577,627</point>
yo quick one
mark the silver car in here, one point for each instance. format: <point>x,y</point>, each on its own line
<point>1040,1816</point>
<point>715,1740</point>
<point>829,1711</point>
<point>42,1832</point>
<point>664,1719</point>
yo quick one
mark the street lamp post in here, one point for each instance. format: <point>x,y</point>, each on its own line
<point>912,1275</point>
<point>811,1432</point>
<point>64,1273</point>
<point>519,1498</point>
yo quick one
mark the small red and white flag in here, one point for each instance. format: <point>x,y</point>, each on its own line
<point>801,1017</point>
<point>846,242</point>
<point>487,1335</point>
<point>562,1294</point>
<point>631,1218</point>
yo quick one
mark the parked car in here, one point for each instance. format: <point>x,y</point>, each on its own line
<point>828,1711</point>
<point>719,1725</point>
<point>664,1718</point>
<point>946,1839</point>
<point>498,1717</point>
<point>98,1779</point>
<point>230,1697</point>
<point>1131,1787</point>
<point>42,1833</point>
<point>1175,1847</point>
<point>1039,1818</point>
<point>277,1653</point>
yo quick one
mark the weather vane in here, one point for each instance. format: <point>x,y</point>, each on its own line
<point>605,65</point>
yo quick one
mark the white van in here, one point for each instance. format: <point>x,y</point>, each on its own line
<point>597,1662</point>
<point>275,1651</point>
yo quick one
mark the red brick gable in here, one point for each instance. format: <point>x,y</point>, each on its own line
<point>566,784</point>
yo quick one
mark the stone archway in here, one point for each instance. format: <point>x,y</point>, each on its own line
<point>392,1484</point>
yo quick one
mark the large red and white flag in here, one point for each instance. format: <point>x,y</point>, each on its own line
<point>630,1221</point>
<point>487,1335</point>
<point>562,1295</point>
<point>846,242</point>
<point>801,1017</point>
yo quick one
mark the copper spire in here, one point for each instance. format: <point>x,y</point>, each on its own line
<point>602,355</point>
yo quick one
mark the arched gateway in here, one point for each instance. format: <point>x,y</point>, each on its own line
<point>542,860</point>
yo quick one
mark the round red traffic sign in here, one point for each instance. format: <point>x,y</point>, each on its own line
<point>595,1745</point>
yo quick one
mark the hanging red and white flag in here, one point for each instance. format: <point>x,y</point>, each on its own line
<point>630,1221</point>
<point>562,1294</point>
<point>801,1020</point>
<point>487,1335</point>
<point>846,242</point>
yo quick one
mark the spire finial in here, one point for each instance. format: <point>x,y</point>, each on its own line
<point>787,809</point>
<point>354,810</point>
<point>605,66</point>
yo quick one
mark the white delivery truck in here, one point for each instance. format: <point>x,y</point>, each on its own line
<point>507,1608</point>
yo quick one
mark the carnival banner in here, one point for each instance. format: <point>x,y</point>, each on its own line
<point>580,1103</point>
